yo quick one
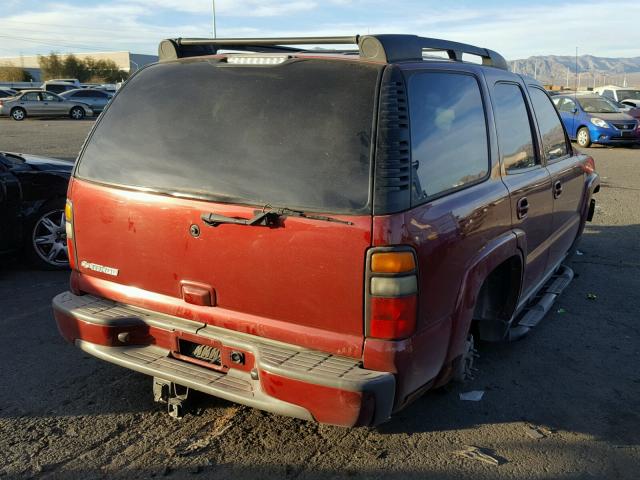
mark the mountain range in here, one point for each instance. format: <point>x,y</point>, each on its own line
<point>593,71</point>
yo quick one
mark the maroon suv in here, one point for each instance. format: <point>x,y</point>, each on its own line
<point>321,234</point>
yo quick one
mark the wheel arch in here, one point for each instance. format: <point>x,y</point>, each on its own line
<point>505,249</point>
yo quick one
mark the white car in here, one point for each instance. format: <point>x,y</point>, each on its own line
<point>624,95</point>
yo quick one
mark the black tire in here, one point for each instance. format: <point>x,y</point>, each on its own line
<point>45,238</point>
<point>77,113</point>
<point>18,114</point>
<point>583,137</point>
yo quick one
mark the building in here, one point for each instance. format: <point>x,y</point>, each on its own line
<point>127,61</point>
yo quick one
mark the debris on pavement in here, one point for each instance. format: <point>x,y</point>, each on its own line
<point>202,443</point>
<point>579,253</point>
<point>472,396</point>
<point>537,432</point>
<point>480,454</point>
<point>591,296</point>
<point>561,311</point>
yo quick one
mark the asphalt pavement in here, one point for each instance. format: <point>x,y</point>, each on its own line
<point>564,403</point>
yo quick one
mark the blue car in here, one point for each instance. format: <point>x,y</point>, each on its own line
<point>593,119</point>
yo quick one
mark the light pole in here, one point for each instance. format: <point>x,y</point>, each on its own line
<point>213,4</point>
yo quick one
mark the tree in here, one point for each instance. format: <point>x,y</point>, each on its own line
<point>87,70</point>
<point>10,73</point>
<point>50,66</point>
<point>74,68</point>
<point>104,71</point>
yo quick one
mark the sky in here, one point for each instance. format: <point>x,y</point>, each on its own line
<point>517,29</point>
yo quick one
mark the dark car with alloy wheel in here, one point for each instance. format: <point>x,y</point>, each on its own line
<point>32,202</point>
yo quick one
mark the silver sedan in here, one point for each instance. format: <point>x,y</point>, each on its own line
<point>40,103</point>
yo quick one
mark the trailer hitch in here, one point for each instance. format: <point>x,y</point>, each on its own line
<point>174,395</point>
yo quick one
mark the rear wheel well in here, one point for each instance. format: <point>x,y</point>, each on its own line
<point>497,300</point>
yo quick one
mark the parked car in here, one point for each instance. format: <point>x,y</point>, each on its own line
<point>45,104</point>
<point>628,96</point>
<point>624,108</point>
<point>323,236</point>
<point>7,92</point>
<point>591,119</point>
<point>72,81</point>
<point>32,200</point>
<point>58,86</point>
<point>96,99</point>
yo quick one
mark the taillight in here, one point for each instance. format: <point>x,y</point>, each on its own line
<point>392,293</point>
<point>1,103</point>
<point>71,244</point>
<point>589,165</point>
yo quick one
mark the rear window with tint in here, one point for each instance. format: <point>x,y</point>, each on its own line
<point>295,135</point>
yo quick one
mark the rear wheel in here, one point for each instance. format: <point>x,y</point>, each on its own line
<point>47,246</point>
<point>584,139</point>
<point>18,114</point>
<point>77,113</point>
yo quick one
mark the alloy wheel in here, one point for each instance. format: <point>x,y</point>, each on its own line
<point>77,113</point>
<point>50,238</point>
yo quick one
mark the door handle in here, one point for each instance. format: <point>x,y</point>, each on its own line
<point>523,208</point>
<point>557,189</point>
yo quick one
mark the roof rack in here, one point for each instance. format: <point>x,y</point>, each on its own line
<point>381,48</point>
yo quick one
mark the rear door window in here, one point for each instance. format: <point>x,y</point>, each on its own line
<point>515,137</point>
<point>551,130</point>
<point>296,134</point>
<point>448,133</point>
<point>48,97</point>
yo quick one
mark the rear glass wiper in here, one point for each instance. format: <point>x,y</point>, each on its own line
<point>267,218</point>
<point>287,212</point>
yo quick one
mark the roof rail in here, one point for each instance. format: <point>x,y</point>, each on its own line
<point>381,48</point>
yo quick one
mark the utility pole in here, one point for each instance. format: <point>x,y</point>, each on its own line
<point>577,76</point>
<point>567,78</point>
<point>213,4</point>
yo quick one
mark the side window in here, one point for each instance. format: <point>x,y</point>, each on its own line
<point>514,129</point>
<point>567,105</point>
<point>31,97</point>
<point>553,139</point>
<point>47,97</point>
<point>608,93</point>
<point>448,132</point>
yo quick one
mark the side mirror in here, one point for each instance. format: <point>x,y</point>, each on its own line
<point>574,110</point>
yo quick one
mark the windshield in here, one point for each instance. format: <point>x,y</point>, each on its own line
<point>628,95</point>
<point>296,134</point>
<point>597,105</point>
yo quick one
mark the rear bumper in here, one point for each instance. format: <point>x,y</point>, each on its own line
<point>275,377</point>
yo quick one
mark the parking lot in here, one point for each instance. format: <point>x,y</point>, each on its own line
<point>564,403</point>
